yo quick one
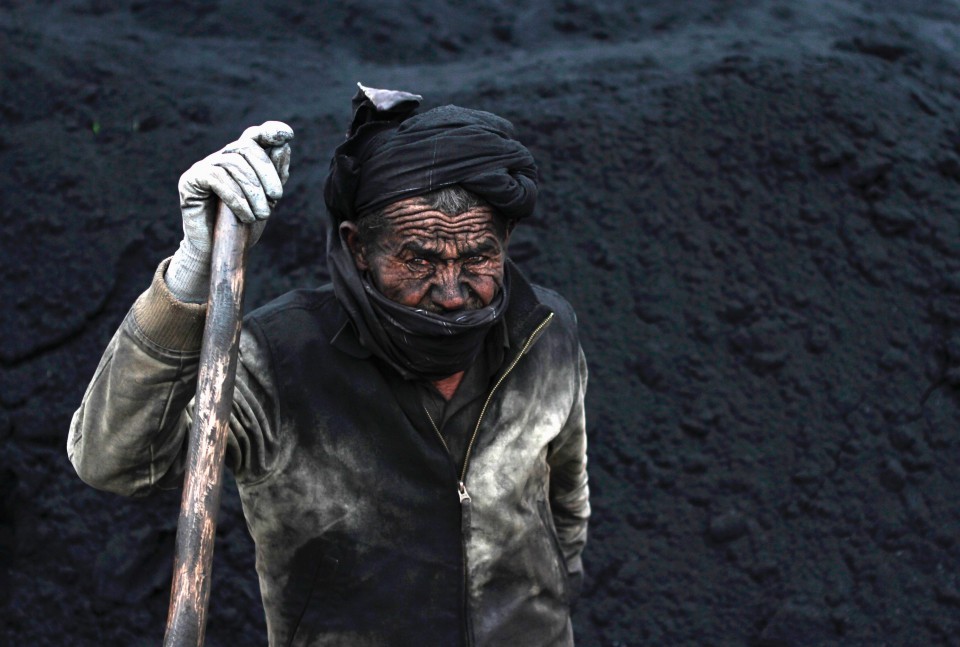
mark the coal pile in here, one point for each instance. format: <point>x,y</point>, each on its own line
<point>754,208</point>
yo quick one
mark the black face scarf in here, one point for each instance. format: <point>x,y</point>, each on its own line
<point>416,343</point>
<point>390,155</point>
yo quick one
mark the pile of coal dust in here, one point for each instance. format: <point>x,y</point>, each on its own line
<point>755,210</point>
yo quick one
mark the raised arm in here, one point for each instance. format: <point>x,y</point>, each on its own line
<point>129,434</point>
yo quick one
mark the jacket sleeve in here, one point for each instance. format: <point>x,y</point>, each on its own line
<point>129,435</point>
<point>569,493</point>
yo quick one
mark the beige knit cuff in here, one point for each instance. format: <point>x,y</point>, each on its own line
<point>167,322</point>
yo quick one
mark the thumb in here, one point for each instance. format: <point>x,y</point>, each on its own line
<point>280,156</point>
<point>269,134</point>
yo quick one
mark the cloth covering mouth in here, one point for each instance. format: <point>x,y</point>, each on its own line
<point>419,345</point>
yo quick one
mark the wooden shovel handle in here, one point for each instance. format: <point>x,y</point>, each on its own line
<point>196,529</point>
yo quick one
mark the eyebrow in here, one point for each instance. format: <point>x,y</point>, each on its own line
<point>420,249</point>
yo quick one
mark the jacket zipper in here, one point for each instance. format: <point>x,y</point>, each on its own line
<point>461,488</point>
<point>461,484</point>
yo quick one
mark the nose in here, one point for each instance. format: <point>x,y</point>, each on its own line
<point>448,293</point>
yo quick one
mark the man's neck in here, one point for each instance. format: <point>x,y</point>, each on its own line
<point>448,385</point>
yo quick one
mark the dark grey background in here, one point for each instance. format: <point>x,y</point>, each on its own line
<point>752,205</point>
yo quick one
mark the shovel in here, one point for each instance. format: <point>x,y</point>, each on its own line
<point>196,529</point>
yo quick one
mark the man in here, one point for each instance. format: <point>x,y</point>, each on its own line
<point>408,442</point>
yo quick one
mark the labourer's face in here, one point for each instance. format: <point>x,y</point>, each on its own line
<point>423,258</point>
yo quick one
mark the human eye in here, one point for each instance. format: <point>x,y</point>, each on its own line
<point>418,264</point>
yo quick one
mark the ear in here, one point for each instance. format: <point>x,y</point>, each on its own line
<point>350,237</point>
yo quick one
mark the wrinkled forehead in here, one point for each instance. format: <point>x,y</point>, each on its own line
<point>413,218</point>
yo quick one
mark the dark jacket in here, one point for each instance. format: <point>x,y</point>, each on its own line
<point>349,493</point>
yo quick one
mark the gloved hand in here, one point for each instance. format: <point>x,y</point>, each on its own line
<point>248,176</point>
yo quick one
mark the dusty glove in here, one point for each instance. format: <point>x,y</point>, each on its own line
<point>248,176</point>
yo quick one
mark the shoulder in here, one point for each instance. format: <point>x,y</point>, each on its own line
<point>561,336</point>
<point>303,302</point>
<point>561,308</point>
<point>298,311</point>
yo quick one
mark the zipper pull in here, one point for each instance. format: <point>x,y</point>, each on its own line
<point>465,524</point>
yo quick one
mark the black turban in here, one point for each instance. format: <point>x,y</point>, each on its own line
<point>391,154</point>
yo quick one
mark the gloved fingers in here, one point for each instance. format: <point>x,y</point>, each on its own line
<point>247,175</point>
<point>274,136</point>
<point>229,177</point>
<point>262,165</point>
<point>280,156</point>
<point>248,182</point>
<point>222,182</point>
<point>269,134</point>
<point>192,185</point>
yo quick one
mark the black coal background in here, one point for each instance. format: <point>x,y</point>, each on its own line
<point>752,205</point>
